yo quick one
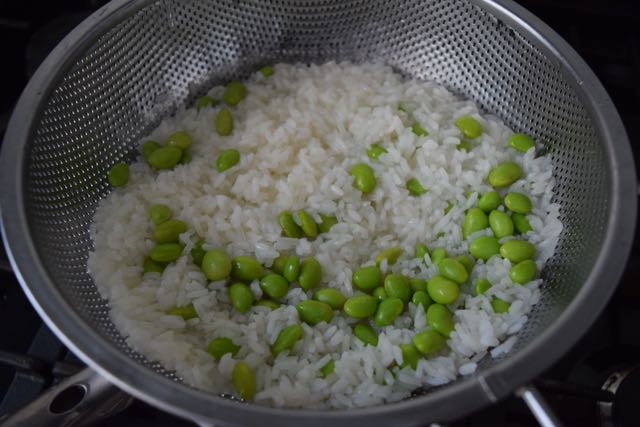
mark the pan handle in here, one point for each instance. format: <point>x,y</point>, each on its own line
<point>538,406</point>
<point>86,398</point>
<point>82,399</point>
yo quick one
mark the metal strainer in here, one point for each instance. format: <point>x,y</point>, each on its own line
<point>133,62</point>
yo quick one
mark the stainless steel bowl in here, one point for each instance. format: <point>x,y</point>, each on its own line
<point>133,62</point>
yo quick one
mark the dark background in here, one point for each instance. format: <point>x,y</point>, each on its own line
<point>606,33</point>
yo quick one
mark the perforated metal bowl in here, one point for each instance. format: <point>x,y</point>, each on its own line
<point>120,72</point>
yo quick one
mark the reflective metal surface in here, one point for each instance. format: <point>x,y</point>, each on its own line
<point>81,400</point>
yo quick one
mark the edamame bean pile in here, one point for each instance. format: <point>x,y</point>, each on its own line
<point>325,236</point>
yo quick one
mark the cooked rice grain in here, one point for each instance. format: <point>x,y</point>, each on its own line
<point>299,131</point>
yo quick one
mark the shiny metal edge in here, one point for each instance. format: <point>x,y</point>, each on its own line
<point>592,298</point>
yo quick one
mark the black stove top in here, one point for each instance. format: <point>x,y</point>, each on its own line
<point>605,33</point>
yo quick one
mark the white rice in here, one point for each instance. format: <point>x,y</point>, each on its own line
<point>299,131</point>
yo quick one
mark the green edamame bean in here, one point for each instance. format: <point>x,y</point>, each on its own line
<point>227,159</point>
<point>310,273</point>
<point>474,220</point>
<point>314,312</point>
<point>505,174</point>
<point>367,278</point>
<point>266,71</point>
<point>186,312</point>
<point>518,203</point>
<point>517,250</point>
<point>147,148</point>
<point>328,369</point>
<point>521,142</point>
<point>224,122</point>
<point>489,201</point>
<point>464,145</point>
<point>241,297</point>
<point>500,306</point>
<point>438,255</point>
<point>180,139</point>
<point>470,127</point>
<point>448,208</point>
<point>484,247</point>
<point>501,224</point>
<point>307,224</point>
<point>216,265</point>
<point>467,261</point>
<point>418,284</point>
<point>159,213</point>
<point>169,231</point>
<point>326,222</point>
<point>165,157</point>
<point>244,380</point>
<point>521,223</point>
<point>206,101</point>
<point>279,263</point>
<point>482,286</point>
<point>234,92</point>
<point>453,270</point>
<point>197,253</point>
<point>410,355</point>
<point>397,286</point>
<point>390,254</point>
<point>289,226</point>
<point>417,129</point>
<point>366,334</point>
<point>442,290</point>
<point>186,158</point>
<point>166,252</point>
<point>287,338</point>
<point>291,269</point>
<point>421,298</point>
<point>428,342</point>
<point>375,151</point>
<point>363,177</point>
<point>421,250</point>
<point>379,293</point>
<point>118,175</point>
<point>523,272</point>
<point>415,187</point>
<point>274,285</point>
<point>220,346</point>
<point>331,297</point>
<point>360,306</point>
<point>246,268</point>
<point>271,305</point>
<point>388,310</point>
<point>440,319</point>
<point>150,266</point>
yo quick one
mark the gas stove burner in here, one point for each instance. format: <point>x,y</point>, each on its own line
<point>623,410</point>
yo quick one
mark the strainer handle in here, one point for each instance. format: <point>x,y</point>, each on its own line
<point>82,399</point>
<point>538,406</point>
